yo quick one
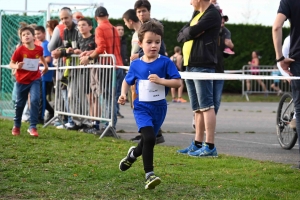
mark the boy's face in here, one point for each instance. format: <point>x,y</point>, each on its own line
<point>143,14</point>
<point>39,35</point>
<point>120,30</point>
<point>151,44</point>
<point>84,27</point>
<point>128,23</point>
<point>27,37</point>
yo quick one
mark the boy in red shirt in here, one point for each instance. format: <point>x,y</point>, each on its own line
<point>28,76</point>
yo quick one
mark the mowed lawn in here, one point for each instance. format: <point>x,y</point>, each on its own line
<point>64,164</point>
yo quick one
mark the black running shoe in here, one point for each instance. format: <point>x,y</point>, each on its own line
<point>126,162</point>
<point>152,181</point>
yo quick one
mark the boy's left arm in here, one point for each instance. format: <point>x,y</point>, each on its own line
<point>44,71</point>
<point>172,83</point>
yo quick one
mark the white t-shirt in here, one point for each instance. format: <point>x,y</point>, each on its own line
<point>285,53</point>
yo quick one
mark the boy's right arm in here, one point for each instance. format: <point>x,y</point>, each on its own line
<point>16,65</point>
<point>124,90</point>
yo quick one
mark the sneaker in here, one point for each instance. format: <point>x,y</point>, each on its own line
<point>138,137</point>
<point>152,181</point>
<point>67,125</point>
<point>89,130</point>
<point>204,152</point>
<point>160,139</point>
<point>191,148</point>
<point>293,124</point>
<point>33,132</point>
<point>228,51</point>
<point>181,100</point>
<point>279,92</point>
<point>126,162</point>
<point>74,127</point>
<point>174,100</point>
<point>120,116</point>
<point>15,131</point>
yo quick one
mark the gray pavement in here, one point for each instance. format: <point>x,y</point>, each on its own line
<point>243,129</point>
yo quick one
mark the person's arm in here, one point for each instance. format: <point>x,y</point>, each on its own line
<point>181,37</point>
<point>179,62</point>
<point>55,40</point>
<point>228,41</point>
<point>256,62</point>
<point>16,65</point>
<point>124,90</point>
<point>42,59</point>
<point>172,83</point>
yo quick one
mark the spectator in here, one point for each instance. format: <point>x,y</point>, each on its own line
<point>107,41</point>
<point>51,24</point>
<point>254,68</point>
<point>149,110</point>
<point>275,84</point>
<point>120,29</point>
<point>28,79</point>
<point>290,9</point>
<point>47,82</point>
<point>203,28</point>
<point>177,60</point>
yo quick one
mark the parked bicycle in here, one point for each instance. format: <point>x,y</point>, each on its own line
<point>287,137</point>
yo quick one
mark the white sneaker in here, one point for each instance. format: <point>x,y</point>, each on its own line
<point>67,125</point>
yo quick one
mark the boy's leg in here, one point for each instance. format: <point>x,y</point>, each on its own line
<point>34,99</point>
<point>22,96</point>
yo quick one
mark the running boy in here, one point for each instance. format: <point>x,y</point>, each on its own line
<point>153,74</point>
<point>47,79</point>
<point>26,61</point>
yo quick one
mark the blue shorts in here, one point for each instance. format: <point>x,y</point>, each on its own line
<point>146,114</point>
<point>200,91</point>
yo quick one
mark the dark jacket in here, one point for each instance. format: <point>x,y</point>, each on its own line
<point>124,51</point>
<point>204,49</point>
<point>70,36</point>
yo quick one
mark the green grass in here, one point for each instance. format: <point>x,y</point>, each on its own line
<point>228,97</point>
<point>64,164</point>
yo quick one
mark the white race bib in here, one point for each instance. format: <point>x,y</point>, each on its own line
<point>149,91</point>
<point>30,64</point>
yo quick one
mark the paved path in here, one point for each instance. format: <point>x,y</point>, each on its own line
<point>243,129</point>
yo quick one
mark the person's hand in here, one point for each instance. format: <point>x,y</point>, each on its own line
<point>249,63</point>
<point>134,56</point>
<point>69,50</point>
<point>55,53</point>
<point>154,78</point>
<point>84,60</point>
<point>20,65</point>
<point>77,51</point>
<point>285,64</point>
<point>83,53</point>
<point>45,70</point>
<point>122,99</point>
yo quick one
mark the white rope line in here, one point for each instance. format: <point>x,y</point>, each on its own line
<point>193,75</point>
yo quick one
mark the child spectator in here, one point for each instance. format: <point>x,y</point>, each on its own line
<point>47,79</point>
<point>25,60</point>
<point>86,42</point>
<point>154,74</point>
<point>177,60</point>
<point>275,85</point>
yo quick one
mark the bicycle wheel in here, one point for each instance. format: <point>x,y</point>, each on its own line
<point>287,137</point>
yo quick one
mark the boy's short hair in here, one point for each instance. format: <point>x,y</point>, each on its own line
<point>177,49</point>
<point>88,21</point>
<point>142,3</point>
<point>40,28</point>
<point>26,28</point>
<point>130,15</point>
<point>151,26</point>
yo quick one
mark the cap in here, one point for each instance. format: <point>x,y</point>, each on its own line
<point>225,17</point>
<point>101,12</point>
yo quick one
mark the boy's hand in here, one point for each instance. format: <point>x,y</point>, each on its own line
<point>122,100</point>
<point>69,50</point>
<point>77,51</point>
<point>154,78</point>
<point>55,53</point>
<point>20,65</point>
<point>45,70</point>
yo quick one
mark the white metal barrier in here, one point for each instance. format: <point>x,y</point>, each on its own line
<point>262,86</point>
<point>86,92</point>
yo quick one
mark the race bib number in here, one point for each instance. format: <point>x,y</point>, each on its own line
<point>30,64</point>
<point>149,91</point>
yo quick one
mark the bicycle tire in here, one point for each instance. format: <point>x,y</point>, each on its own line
<point>286,136</point>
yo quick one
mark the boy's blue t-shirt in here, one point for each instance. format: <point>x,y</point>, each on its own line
<point>163,67</point>
<point>49,75</point>
<point>276,73</point>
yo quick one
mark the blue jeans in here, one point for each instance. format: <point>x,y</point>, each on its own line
<point>295,69</point>
<point>22,95</point>
<point>200,91</point>
<point>218,88</point>
<point>120,77</point>
<point>64,94</point>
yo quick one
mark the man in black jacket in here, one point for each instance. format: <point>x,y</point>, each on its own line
<point>200,38</point>
<point>290,9</point>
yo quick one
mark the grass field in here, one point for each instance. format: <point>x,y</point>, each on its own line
<point>64,164</point>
